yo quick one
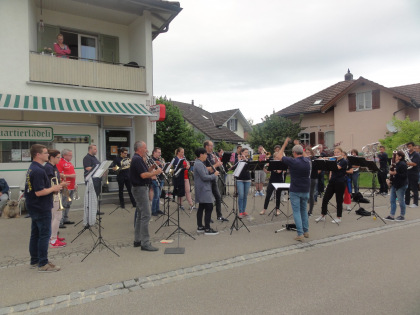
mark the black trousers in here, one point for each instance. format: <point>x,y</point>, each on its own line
<point>124,180</point>
<point>337,189</point>
<point>413,180</point>
<point>208,207</point>
<point>269,191</point>
<point>217,197</point>
<point>321,179</point>
<point>382,175</point>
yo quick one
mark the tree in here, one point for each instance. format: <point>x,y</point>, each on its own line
<point>224,145</point>
<point>408,131</point>
<point>273,130</point>
<point>173,133</point>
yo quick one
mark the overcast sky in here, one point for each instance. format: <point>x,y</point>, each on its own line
<point>264,55</point>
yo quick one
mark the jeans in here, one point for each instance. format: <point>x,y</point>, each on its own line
<point>413,186</point>
<point>397,193</point>
<point>66,205</point>
<point>355,181</point>
<point>313,193</point>
<point>243,188</point>
<point>299,200</point>
<point>141,230</point>
<point>208,208</point>
<point>156,196</point>
<point>338,189</point>
<point>40,237</point>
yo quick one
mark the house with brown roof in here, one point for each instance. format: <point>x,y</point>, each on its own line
<point>229,125</point>
<point>353,112</point>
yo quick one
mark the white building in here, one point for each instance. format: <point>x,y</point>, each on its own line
<point>91,97</point>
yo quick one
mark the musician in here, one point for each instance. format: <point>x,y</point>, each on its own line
<point>336,185</point>
<point>276,176</point>
<point>321,175</point>
<point>157,182</point>
<point>355,175</point>
<point>243,182</point>
<point>140,177</point>
<point>121,166</point>
<point>314,182</point>
<point>52,171</point>
<point>300,170</point>
<point>89,163</point>
<point>413,176</point>
<point>222,171</point>
<point>4,194</point>
<point>203,194</point>
<point>259,174</point>
<point>211,165</point>
<point>382,175</point>
<point>234,156</point>
<point>399,184</point>
<point>39,201</point>
<point>182,182</point>
<point>66,169</point>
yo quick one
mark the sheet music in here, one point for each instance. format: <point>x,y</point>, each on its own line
<point>88,176</point>
<point>239,169</point>
<point>103,167</point>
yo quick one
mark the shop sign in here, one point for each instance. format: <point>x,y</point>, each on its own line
<point>20,133</point>
<point>117,139</point>
<point>158,111</point>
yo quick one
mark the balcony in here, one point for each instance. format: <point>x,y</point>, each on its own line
<point>86,73</point>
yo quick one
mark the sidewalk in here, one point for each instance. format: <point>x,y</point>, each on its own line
<point>102,267</point>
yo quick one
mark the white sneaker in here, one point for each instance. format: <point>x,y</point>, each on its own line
<point>257,194</point>
<point>321,218</point>
<point>348,208</point>
<point>261,193</point>
<point>413,206</point>
<point>337,220</point>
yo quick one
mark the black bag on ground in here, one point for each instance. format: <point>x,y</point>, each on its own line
<point>363,212</point>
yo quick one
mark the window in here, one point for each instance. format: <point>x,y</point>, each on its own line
<point>329,139</point>
<point>304,138</point>
<point>232,124</point>
<point>317,102</point>
<point>364,101</point>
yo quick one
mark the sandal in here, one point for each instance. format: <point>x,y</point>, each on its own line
<point>278,212</point>
<point>262,212</point>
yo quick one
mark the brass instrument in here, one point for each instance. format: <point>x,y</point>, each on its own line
<point>404,148</point>
<point>76,193</point>
<point>54,182</point>
<point>150,162</point>
<point>369,151</point>
<point>66,193</point>
<point>317,150</point>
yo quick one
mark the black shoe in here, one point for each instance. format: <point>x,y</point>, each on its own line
<point>155,214</point>
<point>122,206</point>
<point>27,216</point>
<point>100,213</point>
<point>149,248</point>
<point>200,230</point>
<point>69,222</point>
<point>222,219</point>
<point>160,212</point>
<point>389,218</point>
<point>211,221</point>
<point>210,232</point>
<point>62,226</point>
<point>136,244</point>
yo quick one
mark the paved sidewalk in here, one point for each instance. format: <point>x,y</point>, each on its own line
<point>104,274</point>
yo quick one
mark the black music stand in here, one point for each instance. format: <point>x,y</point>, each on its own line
<point>361,162</point>
<point>166,204</point>
<point>235,224</point>
<point>178,171</point>
<point>274,165</point>
<point>326,165</point>
<point>371,165</point>
<point>103,167</point>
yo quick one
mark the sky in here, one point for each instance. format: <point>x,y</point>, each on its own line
<point>261,56</point>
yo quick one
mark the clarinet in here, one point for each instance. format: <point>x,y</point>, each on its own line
<point>214,169</point>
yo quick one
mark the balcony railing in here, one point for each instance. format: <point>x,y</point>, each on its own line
<point>86,73</point>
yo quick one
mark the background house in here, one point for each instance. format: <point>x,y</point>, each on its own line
<point>229,126</point>
<point>353,112</point>
<point>91,97</point>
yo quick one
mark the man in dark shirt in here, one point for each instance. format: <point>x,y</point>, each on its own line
<point>382,175</point>
<point>300,182</point>
<point>122,162</point>
<point>140,177</point>
<point>413,176</point>
<point>89,163</point>
<point>39,201</point>
<point>398,187</point>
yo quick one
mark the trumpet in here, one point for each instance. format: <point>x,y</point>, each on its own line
<point>54,182</point>
<point>66,193</point>
<point>76,193</point>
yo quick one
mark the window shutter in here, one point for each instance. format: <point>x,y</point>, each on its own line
<point>376,99</point>
<point>48,37</point>
<point>352,102</point>
<point>109,46</point>
<point>312,139</point>
<point>321,138</point>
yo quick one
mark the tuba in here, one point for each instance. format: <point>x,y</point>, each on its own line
<point>317,150</point>
<point>54,182</point>
<point>369,151</point>
<point>404,148</point>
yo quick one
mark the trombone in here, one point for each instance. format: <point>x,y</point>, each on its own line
<point>54,182</point>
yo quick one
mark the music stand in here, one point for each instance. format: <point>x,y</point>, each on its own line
<point>361,162</point>
<point>103,167</point>
<point>371,165</point>
<point>275,165</point>
<point>235,224</point>
<point>326,165</point>
<point>166,203</point>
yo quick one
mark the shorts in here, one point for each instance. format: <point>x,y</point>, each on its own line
<point>260,176</point>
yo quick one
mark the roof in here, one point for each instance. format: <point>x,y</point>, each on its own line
<point>204,121</point>
<point>222,117</point>
<point>328,97</point>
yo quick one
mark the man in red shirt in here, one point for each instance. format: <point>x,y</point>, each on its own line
<point>69,175</point>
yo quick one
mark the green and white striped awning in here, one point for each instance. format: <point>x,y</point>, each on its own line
<point>66,105</point>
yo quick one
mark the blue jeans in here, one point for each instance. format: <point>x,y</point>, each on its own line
<point>243,188</point>
<point>156,196</point>
<point>299,201</point>
<point>355,181</point>
<point>40,237</point>
<point>398,193</point>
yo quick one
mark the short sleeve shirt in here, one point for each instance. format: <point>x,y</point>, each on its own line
<point>37,180</point>
<point>67,168</point>
<point>300,171</point>
<point>138,167</point>
<point>89,161</point>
